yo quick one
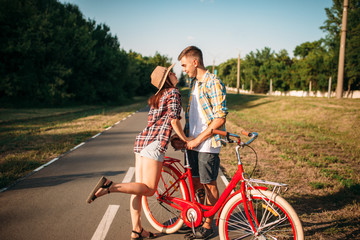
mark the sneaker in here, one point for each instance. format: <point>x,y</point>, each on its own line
<point>200,233</point>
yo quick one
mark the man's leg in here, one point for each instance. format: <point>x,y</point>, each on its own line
<point>212,195</point>
<point>194,164</point>
<point>209,169</point>
<point>199,190</point>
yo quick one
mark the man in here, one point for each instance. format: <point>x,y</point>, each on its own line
<point>206,110</point>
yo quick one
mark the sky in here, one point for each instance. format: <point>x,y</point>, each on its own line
<point>222,29</point>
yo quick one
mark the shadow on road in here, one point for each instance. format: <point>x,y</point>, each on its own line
<point>38,182</point>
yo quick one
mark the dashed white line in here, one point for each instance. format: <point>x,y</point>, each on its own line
<point>55,159</point>
<point>96,135</point>
<point>105,223</point>
<point>48,163</point>
<point>110,213</point>
<point>76,147</point>
<point>129,175</point>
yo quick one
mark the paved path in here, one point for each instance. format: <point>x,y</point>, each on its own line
<point>50,204</point>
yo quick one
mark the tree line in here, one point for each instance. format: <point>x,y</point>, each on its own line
<point>314,62</point>
<point>50,55</point>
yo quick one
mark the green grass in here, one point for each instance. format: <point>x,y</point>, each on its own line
<point>313,144</point>
<point>32,137</point>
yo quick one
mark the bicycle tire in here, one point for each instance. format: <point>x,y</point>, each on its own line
<point>163,217</point>
<point>277,221</point>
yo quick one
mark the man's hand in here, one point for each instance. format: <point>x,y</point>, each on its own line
<point>193,144</point>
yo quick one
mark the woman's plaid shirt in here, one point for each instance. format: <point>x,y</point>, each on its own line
<point>212,97</point>
<point>159,121</point>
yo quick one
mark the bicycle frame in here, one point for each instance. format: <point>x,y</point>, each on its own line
<point>208,211</point>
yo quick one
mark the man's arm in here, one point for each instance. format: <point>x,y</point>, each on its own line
<point>215,124</point>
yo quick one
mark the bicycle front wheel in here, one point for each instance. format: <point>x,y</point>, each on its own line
<point>163,217</point>
<point>273,218</point>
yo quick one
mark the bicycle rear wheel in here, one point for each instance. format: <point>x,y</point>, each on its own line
<point>275,216</point>
<point>160,215</point>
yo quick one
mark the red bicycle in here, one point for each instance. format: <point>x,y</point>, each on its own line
<point>252,212</point>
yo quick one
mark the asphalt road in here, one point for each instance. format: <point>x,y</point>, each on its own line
<point>51,203</point>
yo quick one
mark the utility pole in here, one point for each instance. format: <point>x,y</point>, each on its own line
<point>329,90</point>
<point>213,66</point>
<point>340,79</point>
<point>238,74</point>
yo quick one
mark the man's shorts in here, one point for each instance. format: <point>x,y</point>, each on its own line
<point>204,165</point>
<point>151,151</point>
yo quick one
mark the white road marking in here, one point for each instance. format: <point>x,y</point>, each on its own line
<point>129,175</point>
<point>39,168</point>
<point>76,147</point>
<point>96,135</point>
<point>55,159</point>
<point>105,223</point>
<point>48,163</point>
<point>110,213</point>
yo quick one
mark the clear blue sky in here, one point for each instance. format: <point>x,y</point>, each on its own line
<point>220,28</point>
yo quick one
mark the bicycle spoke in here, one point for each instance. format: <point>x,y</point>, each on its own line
<point>158,211</point>
<point>273,222</point>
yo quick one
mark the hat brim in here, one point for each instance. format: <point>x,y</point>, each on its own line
<point>164,78</point>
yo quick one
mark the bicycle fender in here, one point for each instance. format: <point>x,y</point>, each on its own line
<point>235,193</point>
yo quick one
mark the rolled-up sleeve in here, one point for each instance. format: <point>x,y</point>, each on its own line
<point>217,95</point>
<point>174,104</point>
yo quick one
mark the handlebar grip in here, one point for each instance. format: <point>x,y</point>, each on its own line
<point>222,133</point>
<point>248,134</point>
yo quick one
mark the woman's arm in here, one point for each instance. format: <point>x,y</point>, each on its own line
<point>175,123</point>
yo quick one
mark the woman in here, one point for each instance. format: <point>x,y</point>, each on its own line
<point>150,147</point>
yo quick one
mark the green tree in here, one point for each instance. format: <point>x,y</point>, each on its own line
<point>227,72</point>
<point>51,55</point>
<point>332,26</point>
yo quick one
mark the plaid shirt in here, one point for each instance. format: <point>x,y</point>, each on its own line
<point>212,97</point>
<point>159,121</point>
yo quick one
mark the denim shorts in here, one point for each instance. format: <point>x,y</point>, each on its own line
<point>151,151</point>
<point>204,165</point>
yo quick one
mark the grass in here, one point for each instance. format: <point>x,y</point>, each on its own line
<point>32,137</point>
<point>312,144</point>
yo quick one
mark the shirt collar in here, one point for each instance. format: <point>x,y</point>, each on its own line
<point>204,79</point>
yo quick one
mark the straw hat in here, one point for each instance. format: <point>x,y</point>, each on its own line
<point>159,75</point>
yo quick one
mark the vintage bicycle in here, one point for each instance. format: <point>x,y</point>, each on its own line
<point>252,212</point>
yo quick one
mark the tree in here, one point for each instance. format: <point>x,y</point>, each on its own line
<point>50,55</point>
<point>332,26</point>
<point>182,80</point>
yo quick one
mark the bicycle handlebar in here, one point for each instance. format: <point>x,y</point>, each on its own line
<point>253,135</point>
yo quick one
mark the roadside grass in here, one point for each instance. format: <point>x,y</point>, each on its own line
<point>32,137</point>
<point>312,144</point>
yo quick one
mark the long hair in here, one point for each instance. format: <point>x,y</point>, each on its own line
<point>155,99</point>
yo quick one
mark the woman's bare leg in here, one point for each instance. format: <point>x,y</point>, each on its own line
<point>147,172</point>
